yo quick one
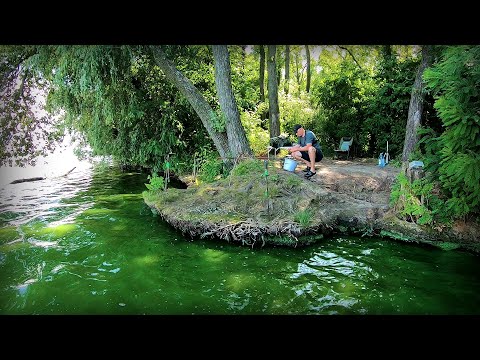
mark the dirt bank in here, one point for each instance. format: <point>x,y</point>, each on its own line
<point>283,208</point>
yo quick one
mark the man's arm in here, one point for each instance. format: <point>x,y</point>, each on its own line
<point>300,148</point>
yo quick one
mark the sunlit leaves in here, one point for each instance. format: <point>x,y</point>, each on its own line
<point>455,83</point>
<point>26,131</point>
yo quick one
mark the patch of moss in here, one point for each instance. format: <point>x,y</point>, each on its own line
<point>396,235</point>
<point>281,240</point>
<point>447,246</point>
<point>8,234</point>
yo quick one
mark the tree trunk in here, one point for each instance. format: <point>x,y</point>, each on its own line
<point>263,115</point>
<point>307,51</point>
<point>287,67</point>
<point>274,120</point>
<point>298,69</point>
<point>195,98</point>
<point>237,140</point>
<point>415,108</point>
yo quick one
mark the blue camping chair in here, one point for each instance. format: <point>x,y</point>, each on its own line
<point>344,147</point>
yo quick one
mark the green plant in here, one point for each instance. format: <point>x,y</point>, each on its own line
<point>211,170</point>
<point>258,138</point>
<point>156,183</point>
<point>395,163</point>
<point>248,167</point>
<point>418,201</point>
<point>292,181</point>
<point>303,217</point>
<point>274,178</point>
<point>454,83</point>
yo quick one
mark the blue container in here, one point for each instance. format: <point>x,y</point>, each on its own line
<point>289,164</point>
<point>381,160</point>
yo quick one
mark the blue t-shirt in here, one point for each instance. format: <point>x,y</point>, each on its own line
<point>309,138</point>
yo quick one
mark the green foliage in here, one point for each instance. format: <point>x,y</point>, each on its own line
<point>341,95</point>
<point>303,217</point>
<point>454,154</point>
<point>418,202</point>
<point>249,167</point>
<point>295,110</point>
<point>258,138</point>
<point>26,132</point>
<point>211,169</point>
<point>386,115</point>
<point>273,191</point>
<point>244,70</point>
<point>395,163</point>
<point>218,121</point>
<point>292,181</point>
<point>116,98</point>
<point>156,182</point>
<point>274,178</point>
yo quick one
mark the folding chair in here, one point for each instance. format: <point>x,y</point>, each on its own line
<point>344,147</point>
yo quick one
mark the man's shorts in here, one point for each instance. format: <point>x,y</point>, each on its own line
<point>318,155</point>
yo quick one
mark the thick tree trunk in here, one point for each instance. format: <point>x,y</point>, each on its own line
<point>237,140</point>
<point>195,98</point>
<point>307,51</point>
<point>416,106</point>
<point>274,112</point>
<point>287,68</point>
<point>261,80</point>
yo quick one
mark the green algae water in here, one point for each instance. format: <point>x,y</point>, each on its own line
<point>87,244</point>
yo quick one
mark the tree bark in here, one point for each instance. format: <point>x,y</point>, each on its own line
<point>274,112</point>
<point>307,51</point>
<point>237,140</point>
<point>287,68</point>
<point>298,68</point>
<point>195,98</point>
<point>415,108</point>
<point>263,115</point>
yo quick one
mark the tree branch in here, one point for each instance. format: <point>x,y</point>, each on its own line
<point>353,57</point>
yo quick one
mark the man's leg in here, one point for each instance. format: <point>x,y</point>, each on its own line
<point>312,152</point>
<point>297,155</point>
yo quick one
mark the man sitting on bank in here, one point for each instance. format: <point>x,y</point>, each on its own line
<point>307,150</point>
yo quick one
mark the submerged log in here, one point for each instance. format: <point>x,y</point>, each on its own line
<point>38,178</point>
<point>27,180</point>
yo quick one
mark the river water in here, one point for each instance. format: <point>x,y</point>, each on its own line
<point>87,244</point>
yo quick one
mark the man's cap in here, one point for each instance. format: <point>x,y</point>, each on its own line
<point>296,127</point>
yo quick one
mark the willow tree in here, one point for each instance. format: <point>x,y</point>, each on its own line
<point>227,134</point>
<point>114,96</point>
<point>203,109</point>
<point>25,132</point>
<point>101,92</point>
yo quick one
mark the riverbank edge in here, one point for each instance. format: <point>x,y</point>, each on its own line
<point>388,227</point>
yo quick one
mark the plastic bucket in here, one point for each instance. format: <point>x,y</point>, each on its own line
<point>290,164</point>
